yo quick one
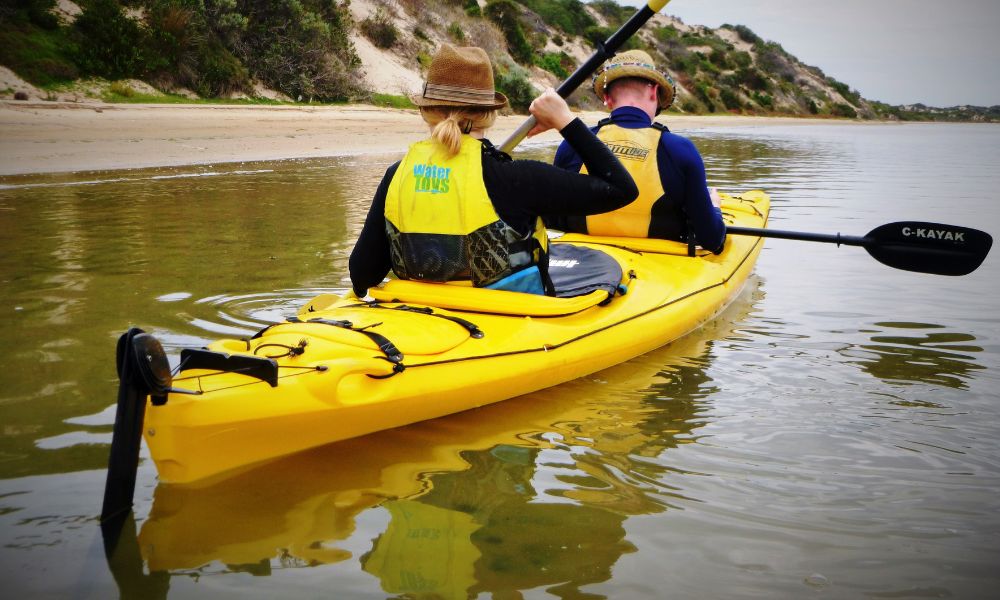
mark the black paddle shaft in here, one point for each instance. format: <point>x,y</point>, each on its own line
<point>603,52</point>
<point>803,236</point>
<point>908,245</point>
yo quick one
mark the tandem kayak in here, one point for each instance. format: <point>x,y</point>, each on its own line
<point>344,367</point>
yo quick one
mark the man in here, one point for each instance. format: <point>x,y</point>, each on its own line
<point>674,200</point>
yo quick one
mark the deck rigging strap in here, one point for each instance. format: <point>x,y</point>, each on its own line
<point>383,343</point>
<point>472,328</point>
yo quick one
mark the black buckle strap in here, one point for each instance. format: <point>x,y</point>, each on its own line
<point>383,343</point>
<point>472,328</point>
<point>265,369</point>
<point>498,154</point>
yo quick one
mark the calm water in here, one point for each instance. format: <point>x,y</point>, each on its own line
<point>835,434</point>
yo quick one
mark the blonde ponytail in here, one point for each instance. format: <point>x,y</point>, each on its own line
<point>450,123</point>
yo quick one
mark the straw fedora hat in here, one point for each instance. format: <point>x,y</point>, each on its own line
<point>460,76</point>
<point>635,63</point>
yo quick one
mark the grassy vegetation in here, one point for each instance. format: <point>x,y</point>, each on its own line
<point>119,93</point>
<point>392,101</point>
<point>42,56</point>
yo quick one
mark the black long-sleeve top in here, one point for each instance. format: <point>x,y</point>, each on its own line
<point>520,190</point>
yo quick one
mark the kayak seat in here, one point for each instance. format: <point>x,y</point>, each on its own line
<point>579,270</point>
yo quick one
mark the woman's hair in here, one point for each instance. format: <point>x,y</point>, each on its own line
<point>450,123</point>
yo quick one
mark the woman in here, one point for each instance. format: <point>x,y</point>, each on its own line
<point>455,208</point>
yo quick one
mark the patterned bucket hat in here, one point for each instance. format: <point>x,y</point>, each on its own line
<point>635,63</point>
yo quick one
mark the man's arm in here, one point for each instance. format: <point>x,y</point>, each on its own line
<point>705,219</point>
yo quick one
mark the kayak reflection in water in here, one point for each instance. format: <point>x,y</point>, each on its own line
<point>456,208</point>
<point>495,528</point>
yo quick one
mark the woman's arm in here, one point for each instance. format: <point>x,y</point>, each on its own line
<point>370,261</point>
<point>538,188</point>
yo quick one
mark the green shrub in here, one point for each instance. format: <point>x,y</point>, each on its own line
<point>741,59</point>
<point>424,60</point>
<point>557,63</point>
<point>666,33</point>
<point>753,79</point>
<point>380,29</point>
<point>689,63</point>
<point>456,33</point>
<point>844,110</point>
<point>568,15</point>
<point>40,13</point>
<point>764,100</point>
<point>704,92</point>
<point>772,58</point>
<point>745,33</point>
<point>512,81</point>
<point>472,8</point>
<point>506,15</point>
<point>707,65</point>
<point>110,43</point>
<point>692,39</point>
<point>849,94</point>
<point>730,99</point>
<point>300,48</point>
<point>719,58</point>
<point>219,72</point>
<point>597,34</point>
<point>172,42</point>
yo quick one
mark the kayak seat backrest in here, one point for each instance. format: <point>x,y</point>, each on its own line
<point>579,270</point>
<point>583,277</point>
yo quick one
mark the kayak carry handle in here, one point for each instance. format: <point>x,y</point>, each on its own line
<point>332,372</point>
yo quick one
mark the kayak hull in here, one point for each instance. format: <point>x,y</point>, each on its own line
<point>451,348</point>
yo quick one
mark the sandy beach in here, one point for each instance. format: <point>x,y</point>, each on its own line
<point>61,137</point>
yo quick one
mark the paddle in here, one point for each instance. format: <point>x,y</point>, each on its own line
<point>907,245</point>
<point>604,51</point>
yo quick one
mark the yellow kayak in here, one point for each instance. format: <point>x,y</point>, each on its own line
<point>311,498</point>
<point>344,367</point>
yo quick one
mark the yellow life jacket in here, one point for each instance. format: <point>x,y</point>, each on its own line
<point>442,225</point>
<point>636,150</point>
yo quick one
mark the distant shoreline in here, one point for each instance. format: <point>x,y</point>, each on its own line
<point>63,137</point>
